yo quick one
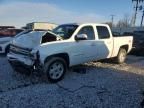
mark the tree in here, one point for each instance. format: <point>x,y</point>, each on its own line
<point>125,22</point>
<point>109,23</point>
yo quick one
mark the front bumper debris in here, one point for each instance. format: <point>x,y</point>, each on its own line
<point>20,59</point>
<point>24,62</point>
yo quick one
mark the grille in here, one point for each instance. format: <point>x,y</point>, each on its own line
<point>19,50</point>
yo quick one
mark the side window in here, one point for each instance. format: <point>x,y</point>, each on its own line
<point>103,32</point>
<point>48,37</point>
<point>88,30</point>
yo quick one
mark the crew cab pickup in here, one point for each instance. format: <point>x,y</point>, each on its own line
<point>52,52</point>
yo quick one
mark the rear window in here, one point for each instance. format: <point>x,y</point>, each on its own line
<point>103,32</point>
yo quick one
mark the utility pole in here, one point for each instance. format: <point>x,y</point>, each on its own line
<point>141,8</point>
<point>136,9</point>
<point>112,19</point>
<point>142,18</point>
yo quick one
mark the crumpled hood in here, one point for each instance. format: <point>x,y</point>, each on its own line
<point>29,40</point>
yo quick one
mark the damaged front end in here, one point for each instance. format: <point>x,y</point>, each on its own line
<point>24,53</point>
<point>37,65</point>
<point>22,60</point>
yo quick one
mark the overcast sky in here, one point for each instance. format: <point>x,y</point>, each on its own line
<point>20,12</point>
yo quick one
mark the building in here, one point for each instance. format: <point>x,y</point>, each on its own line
<point>40,26</point>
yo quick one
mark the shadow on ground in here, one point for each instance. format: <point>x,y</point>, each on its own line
<point>84,86</point>
<point>89,85</point>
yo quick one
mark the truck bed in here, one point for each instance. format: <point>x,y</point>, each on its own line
<point>121,40</point>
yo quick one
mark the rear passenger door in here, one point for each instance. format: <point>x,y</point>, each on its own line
<point>105,42</point>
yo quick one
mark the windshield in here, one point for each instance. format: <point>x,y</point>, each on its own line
<point>65,31</point>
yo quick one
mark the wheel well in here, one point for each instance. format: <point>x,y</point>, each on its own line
<point>65,56</point>
<point>125,47</point>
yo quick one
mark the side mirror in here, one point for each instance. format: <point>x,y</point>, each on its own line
<point>81,37</point>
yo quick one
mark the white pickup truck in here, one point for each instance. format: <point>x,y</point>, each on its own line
<point>67,45</point>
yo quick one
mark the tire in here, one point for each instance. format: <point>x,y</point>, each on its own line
<point>121,56</point>
<point>55,69</point>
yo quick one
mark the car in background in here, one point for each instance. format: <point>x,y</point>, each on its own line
<point>128,33</point>
<point>116,34</point>
<point>139,32</point>
<point>138,40</point>
<point>6,35</point>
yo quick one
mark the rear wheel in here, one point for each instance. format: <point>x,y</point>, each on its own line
<point>121,56</point>
<point>55,68</point>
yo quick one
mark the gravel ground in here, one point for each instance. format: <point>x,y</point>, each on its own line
<point>92,85</point>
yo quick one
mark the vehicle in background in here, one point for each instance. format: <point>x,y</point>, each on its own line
<point>138,40</point>
<point>139,32</point>
<point>67,45</point>
<point>138,44</point>
<point>40,26</point>
<point>116,34</point>
<point>128,33</point>
<point>7,33</point>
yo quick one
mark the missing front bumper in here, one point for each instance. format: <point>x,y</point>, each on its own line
<point>24,64</point>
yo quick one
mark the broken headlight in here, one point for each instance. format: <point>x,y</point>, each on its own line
<point>35,55</point>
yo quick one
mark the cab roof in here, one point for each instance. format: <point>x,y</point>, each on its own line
<point>78,24</point>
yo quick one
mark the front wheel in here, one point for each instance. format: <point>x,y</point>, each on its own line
<point>121,56</point>
<point>55,68</point>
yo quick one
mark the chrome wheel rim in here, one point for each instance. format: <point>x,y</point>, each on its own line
<point>56,70</point>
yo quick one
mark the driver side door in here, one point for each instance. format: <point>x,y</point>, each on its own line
<point>84,50</point>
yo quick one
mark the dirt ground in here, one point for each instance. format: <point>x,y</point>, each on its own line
<point>91,85</point>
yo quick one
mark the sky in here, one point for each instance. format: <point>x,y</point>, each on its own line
<point>20,12</point>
